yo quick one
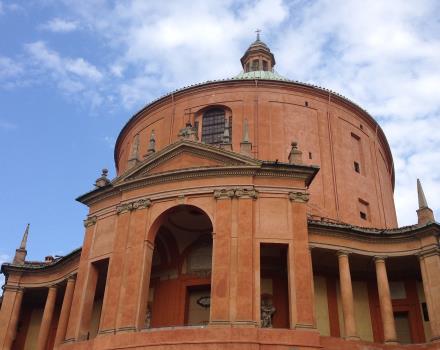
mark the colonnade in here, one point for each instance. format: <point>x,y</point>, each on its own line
<point>14,297</point>
<point>429,263</point>
<point>430,268</point>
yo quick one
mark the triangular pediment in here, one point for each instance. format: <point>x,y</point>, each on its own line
<point>186,155</point>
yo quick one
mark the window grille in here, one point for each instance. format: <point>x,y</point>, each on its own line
<point>213,126</point>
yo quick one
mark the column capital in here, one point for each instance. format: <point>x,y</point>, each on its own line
<point>10,288</point>
<point>343,253</point>
<point>380,258</point>
<point>133,205</point>
<point>299,196</point>
<point>430,251</point>
<point>90,221</point>
<point>224,193</point>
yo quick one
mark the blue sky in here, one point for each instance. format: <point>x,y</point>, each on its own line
<point>73,72</point>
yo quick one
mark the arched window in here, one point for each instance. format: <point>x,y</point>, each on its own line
<point>213,126</point>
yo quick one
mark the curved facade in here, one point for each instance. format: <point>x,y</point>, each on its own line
<point>253,212</point>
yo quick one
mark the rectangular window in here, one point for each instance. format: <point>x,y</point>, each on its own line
<point>425,312</point>
<point>357,154</point>
<point>357,167</point>
<point>364,210</point>
<point>255,65</point>
<point>265,65</point>
<point>274,292</point>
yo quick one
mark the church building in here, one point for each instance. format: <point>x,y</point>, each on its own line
<point>253,212</point>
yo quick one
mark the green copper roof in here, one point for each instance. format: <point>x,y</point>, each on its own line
<point>260,74</point>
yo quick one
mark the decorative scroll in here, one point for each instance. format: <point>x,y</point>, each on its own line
<point>90,221</point>
<point>300,197</point>
<point>139,204</point>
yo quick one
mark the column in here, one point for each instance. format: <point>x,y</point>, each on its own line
<point>221,256</point>
<point>386,307</point>
<point>347,297</point>
<point>430,268</point>
<point>9,315</point>
<point>244,263</point>
<point>65,311</point>
<point>145,284</point>
<point>47,318</point>
<point>302,303</point>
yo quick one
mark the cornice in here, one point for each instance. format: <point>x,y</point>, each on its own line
<point>293,172</point>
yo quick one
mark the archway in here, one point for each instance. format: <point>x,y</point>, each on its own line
<point>180,280</point>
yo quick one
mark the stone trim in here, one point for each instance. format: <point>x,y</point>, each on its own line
<point>299,196</point>
<point>130,206</point>
<point>432,251</point>
<point>90,221</point>
<point>11,288</point>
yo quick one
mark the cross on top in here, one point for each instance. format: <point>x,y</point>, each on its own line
<point>258,31</point>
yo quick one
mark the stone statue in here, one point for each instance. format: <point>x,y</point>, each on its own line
<point>267,311</point>
<point>148,317</point>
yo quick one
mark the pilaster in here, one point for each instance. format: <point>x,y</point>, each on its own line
<point>300,266</point>
<point>430,268</point>
<point>65,311</point>
<point>9,314</point>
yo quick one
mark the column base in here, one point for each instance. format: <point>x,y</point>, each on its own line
<point>391,342</point>
<point>219,323</point>
<point>107,331</point>
<point>127,329</point>
<point>435,339</point>
<point>305,327</point>
<point>251,324</point>
<point>352,337</point>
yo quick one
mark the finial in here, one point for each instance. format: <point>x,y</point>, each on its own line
<point>245,131</point>
<point>102,181</point>
<point>25,237</point>
<point>20,253</point>
<point>188,132</point>
<point>245,145</point>
<point>152,146</point>
<point>295,155</point>
<point>421,195</point>
<point>258,31</point>
<point>424,214</point>
<point>134,157</point>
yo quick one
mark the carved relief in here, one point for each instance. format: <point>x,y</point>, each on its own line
<point>225,193</point>
<point>138,204</point>
<point>300,197</point>
<point>90,221</point>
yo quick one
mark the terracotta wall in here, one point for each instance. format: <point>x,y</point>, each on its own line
<point>277,115</point>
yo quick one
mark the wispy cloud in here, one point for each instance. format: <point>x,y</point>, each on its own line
<point>5,125</point>
<point>60,25</point>
<point>9,68</point>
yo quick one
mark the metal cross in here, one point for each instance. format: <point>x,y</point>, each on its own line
<point>258,31</point>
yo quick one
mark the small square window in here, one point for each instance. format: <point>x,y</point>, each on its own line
<point>306,104</point>
<point>363,215</point>
<point>357,167</point>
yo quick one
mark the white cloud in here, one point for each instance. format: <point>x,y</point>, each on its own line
<point>9,68</point>
<point>59,25</point>
<point>381,54</point>
<point>74,76</point>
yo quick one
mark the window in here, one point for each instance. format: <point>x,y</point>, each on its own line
<point>265,65</point>
<point>255,65</point>
<point>364,209</point>
<point>357,167</point>
<point>213,126</point>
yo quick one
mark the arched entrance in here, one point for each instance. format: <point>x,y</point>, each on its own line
<point>180,282</point>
